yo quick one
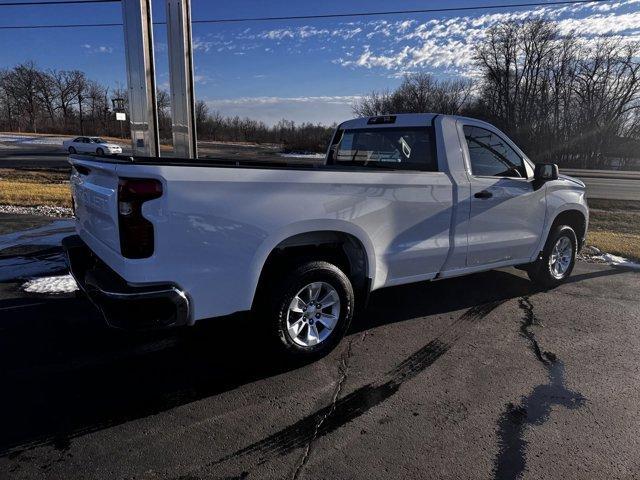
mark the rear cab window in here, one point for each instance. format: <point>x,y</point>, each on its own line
<point>396,148</point>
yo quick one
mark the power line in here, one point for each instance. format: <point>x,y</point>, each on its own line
<point>79,25</point>
<point>397,12</point>
<point>308,17</point>
<point>57,2</point>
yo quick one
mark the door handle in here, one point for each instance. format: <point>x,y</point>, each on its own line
<point>483,194</point>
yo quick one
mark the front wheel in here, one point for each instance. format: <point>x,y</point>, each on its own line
<point>100,152</point>
<point>557,260</point>
<point>311,309</point>
<point>72,150</point>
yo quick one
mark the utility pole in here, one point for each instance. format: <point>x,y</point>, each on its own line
<point>141,77</point>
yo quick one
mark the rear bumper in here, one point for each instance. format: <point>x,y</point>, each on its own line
<point>122,304</point>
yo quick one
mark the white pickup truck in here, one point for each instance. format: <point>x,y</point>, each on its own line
<point>398,199</point>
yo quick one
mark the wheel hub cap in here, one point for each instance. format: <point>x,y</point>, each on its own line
<point>313,314</point>
<point>561,257</point>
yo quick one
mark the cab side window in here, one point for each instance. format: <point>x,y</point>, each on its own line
<point>491,156</point>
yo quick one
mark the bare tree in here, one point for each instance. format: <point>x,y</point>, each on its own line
<point>47,95</point>
<point>418,93</point>
<point>202,112</point>
<point>560,99</point>
<point>80,84</point>
<point>163,101</point>
<point>21,84</point>
<point>65,88</point>
<point>6,101</point>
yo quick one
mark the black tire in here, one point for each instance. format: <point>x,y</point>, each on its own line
<point>100,152</point>
<point>541,272</point>
<point>278,300</point>
<point>72,150</point>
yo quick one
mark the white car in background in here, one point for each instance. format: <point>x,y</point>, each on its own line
<point>94,145</point>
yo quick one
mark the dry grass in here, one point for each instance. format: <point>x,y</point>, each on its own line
<point>31,188</point>
<point>615,227</point>
<point>623,244</point>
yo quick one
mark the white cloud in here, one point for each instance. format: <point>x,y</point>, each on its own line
<point>448,43</point>
<point>201,45</point>
<point>201,79</point>
<point>445,44</point>
<point>601,24</point>
<point>97,49</point>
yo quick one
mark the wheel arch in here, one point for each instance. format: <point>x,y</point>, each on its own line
<point>342,243</point>
<point>574,215</point>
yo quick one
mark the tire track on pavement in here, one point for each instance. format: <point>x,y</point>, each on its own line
<point>357,403</point>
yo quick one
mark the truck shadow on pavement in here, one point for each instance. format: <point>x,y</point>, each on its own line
<point>64,374</point>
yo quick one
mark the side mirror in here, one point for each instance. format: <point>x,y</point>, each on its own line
<point>545,172</point>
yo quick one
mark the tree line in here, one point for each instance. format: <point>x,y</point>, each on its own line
<point>560,98</point>
<point>55,101</point>
<point>67,102</point>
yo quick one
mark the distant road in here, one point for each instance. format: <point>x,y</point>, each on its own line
<point>603,184</point>
<point>610,185</point>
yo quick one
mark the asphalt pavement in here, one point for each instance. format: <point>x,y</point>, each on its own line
<point>476,377</point>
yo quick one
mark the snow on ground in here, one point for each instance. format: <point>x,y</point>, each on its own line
<point>618,261</point>
<point>44,210</point>
<point>51,285</point>
<point>595,255</point>
<point>46,141</point>
<point>302,155</point>
<point>26,140</point>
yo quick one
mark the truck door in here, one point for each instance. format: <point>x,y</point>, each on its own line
<point>507,214</point>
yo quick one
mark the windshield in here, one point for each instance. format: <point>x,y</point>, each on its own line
<point>97,140</point>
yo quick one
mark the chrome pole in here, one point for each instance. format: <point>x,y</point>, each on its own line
<point>141,77</point>
<point>181,78</point>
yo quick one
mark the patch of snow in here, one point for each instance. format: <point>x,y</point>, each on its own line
<point>51,285</point>
<point>43,210</point>
<point>303,155</point>
<point>617,261</point>
<point>27,140</point>
<point>595,255</point>
<point>46,141</point>
<point>13,138</point>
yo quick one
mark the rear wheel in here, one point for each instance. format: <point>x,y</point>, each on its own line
<point>309,309</point>
<point>557,260</point>
<point>72,150</point>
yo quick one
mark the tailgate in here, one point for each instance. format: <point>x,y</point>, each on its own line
<point>94,187</point>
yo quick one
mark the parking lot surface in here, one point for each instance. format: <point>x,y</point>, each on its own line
<point>477,377</point>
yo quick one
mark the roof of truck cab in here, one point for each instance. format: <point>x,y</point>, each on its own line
<point>401,120</point>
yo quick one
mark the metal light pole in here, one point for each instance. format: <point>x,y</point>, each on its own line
<point>141,77</point>
<point>181,82</point>
<point>143,109</point>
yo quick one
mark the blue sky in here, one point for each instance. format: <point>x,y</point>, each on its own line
<point>306,70</point>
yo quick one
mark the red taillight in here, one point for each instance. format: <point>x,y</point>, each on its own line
<point>136,232</point>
